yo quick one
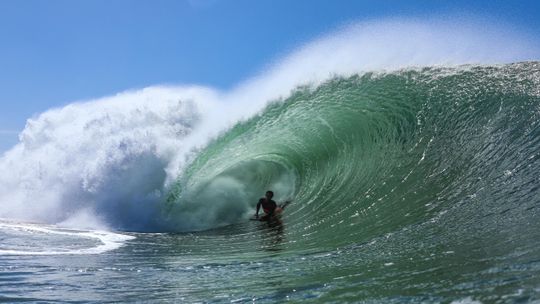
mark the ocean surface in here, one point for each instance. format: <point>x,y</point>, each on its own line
<point>407,186</point>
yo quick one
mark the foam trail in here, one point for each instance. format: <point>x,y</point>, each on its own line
<point>110,162</point>
<point>106,241</point>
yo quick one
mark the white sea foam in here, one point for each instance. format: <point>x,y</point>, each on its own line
<point>109,162</point>
<point>467,300</point>
<point>106,241</point>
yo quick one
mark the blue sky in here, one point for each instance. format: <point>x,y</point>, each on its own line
<point>58,51</point>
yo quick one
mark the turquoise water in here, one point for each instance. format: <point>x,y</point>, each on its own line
<point>419,185</point>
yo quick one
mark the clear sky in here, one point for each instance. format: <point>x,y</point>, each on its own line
<point>58,51</point>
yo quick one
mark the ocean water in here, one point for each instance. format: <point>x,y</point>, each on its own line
<point>408,185</point>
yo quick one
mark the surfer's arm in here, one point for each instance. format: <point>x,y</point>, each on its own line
<point>282,206</point>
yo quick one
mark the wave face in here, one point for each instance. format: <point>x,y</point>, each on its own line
<point>454,149</point>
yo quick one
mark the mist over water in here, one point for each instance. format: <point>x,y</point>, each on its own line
<point>121,162</point>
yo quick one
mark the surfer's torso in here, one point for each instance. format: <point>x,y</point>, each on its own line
<point>268,205</point>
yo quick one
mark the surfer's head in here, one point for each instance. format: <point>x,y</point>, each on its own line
<point>269,194</point>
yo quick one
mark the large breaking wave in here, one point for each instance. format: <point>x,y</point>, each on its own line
<point>378,117</point>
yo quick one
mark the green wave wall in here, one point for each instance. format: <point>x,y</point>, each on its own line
<point>369,154</point>
<point>420,185</point>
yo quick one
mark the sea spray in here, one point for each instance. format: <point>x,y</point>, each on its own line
<point>107,157</point>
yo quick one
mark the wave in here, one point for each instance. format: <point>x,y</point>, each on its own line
<point>381,150</point>
<point>377,117</point>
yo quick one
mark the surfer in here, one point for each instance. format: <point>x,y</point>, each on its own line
<point>269,206</point>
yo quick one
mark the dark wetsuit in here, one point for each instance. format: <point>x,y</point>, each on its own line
<point>269,206</point>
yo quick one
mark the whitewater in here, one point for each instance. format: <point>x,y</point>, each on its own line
<point>409,149</point>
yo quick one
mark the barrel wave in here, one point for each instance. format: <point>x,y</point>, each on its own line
<point>421,179</point>
<point>377,152</point>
